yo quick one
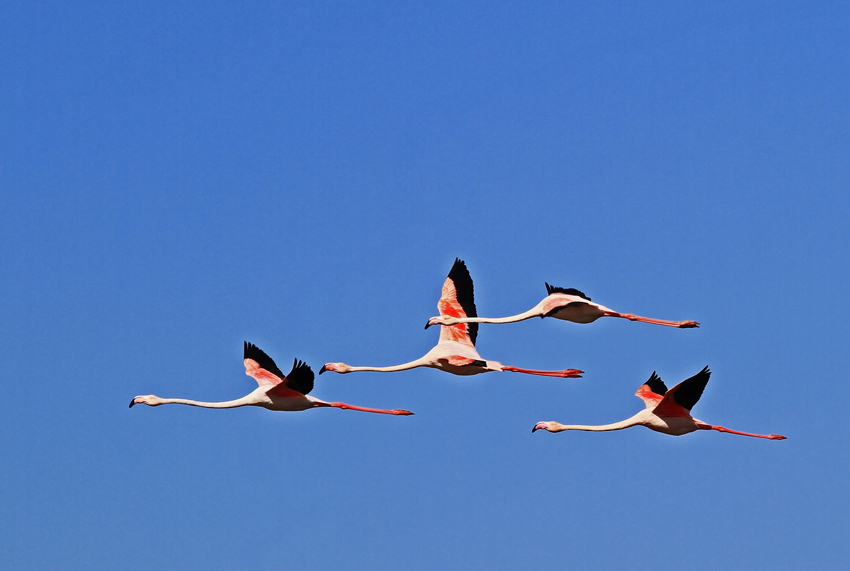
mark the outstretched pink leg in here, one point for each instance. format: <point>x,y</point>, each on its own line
<point>630,317</point>
<point>396,411</point>
<point>571,373</point>
<point>768,436</point>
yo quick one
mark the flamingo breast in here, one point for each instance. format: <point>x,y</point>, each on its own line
<point>575,311</point>
<point>673,425</point>
<point>288,403</point>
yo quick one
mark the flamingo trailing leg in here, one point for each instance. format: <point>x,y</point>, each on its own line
<point>455,352</point>
<point>666,411</point>
<point>275,391</point>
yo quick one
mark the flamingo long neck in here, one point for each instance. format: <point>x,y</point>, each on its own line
<point>226,404</point>
<point>402,367</point>
<point>600,428</point>
<point>534,312</point>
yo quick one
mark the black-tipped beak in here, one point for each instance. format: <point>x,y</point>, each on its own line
<point>428,324</point>
<point>533,430</point>
<point>322,370</point>
<point>132,402</point>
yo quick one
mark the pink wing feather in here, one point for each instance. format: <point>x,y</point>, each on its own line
<point>457,300</point>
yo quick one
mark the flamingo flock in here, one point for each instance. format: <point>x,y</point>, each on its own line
<point>667,411</point>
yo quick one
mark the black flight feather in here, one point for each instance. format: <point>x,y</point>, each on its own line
<point>300,378</point>
<point>656,385</point>
<point>264,361</point>
<point>690,390</point>
<point>465,295</point>
<point>569,291</point>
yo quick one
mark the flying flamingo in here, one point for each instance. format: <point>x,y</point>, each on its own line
<point>276,391</point>
<point>567,304</point>
<point>455,352</point>
<point>666,411</point>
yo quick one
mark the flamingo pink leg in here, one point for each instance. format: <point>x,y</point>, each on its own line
<point>571,373</point>
<point>768,436</point>
<point>630,317</point>
<point>396,411</point>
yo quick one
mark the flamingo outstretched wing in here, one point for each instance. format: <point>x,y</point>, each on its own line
<point>300,379</point>
<point>652,391</point>
<point>458,300</point>
<point>681,399</point>
<point>263,369</point>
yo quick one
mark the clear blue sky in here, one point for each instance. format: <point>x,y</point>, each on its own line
<point>176,178</point>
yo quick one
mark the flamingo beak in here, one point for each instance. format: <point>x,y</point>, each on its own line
<point>132,402</point>
<point>322,370</point>
<point>428,324</point>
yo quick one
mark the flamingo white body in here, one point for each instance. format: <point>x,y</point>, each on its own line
<point>275,391</point>
<point>668,412</point>
<point>566,304</point>
<point>455,352</point>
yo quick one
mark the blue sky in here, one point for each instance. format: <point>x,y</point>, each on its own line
<point>177,178</point>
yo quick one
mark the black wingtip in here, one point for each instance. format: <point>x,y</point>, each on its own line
<point>656,385</point>
<point>569,291</point>
<point>690,390</point>
<point>300,378</point>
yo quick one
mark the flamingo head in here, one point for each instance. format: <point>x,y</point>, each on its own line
<point>335,367</point>
<point>150,400</point>
<point>441,320</point>
<point>541,426</point>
